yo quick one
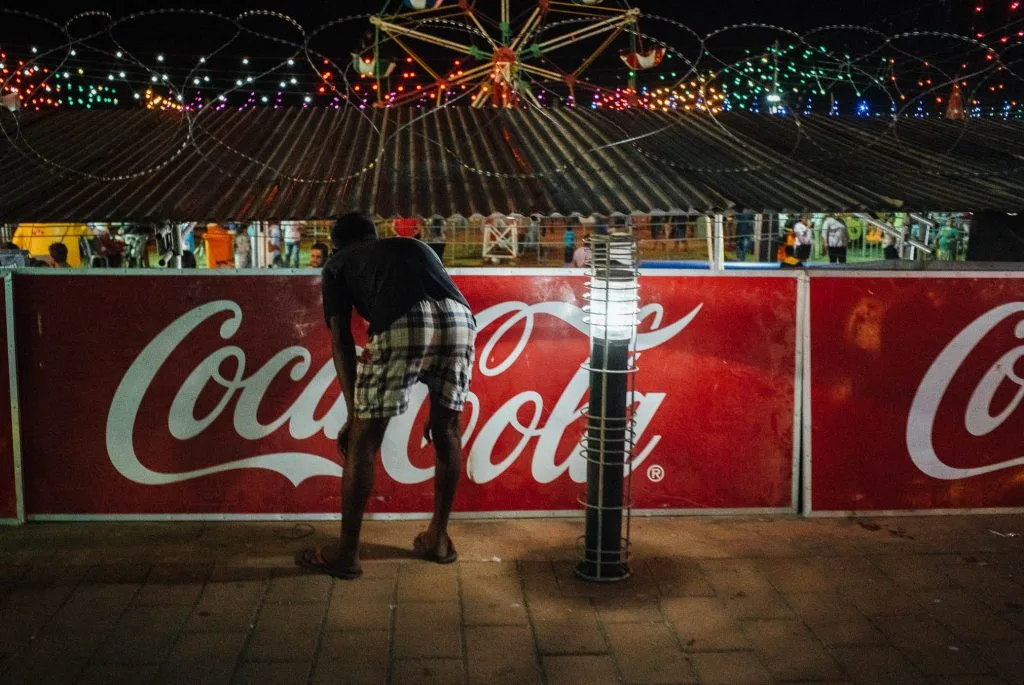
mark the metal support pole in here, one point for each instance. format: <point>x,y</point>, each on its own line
<point>719,243</point>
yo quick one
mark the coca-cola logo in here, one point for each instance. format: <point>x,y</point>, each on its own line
<point>544,429</point>
<point>978,418</point>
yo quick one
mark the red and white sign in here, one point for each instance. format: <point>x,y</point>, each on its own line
<point>916,387</point>
<point>8,489</point>
<point>217,395</point>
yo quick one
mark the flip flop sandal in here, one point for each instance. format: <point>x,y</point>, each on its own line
<point>312,559</point>
<point>420,548</point>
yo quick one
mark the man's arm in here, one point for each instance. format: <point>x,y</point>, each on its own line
<point>343,347</point>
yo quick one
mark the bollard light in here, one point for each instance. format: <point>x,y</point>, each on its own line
<point>612,311</point>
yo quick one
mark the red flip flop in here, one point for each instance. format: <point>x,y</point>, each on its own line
<point>313,559</point>
<point>420,548</point>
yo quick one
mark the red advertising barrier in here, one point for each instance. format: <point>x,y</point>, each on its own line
<point>916,385</point>
<point>215,394</point>
<point>8,487</point>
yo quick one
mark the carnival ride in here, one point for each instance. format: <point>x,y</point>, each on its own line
<point>500,58</point>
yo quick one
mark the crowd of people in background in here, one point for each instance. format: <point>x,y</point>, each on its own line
<point>542,240</point>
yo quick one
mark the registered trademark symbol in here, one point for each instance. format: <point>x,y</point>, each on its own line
<point>655,473</point>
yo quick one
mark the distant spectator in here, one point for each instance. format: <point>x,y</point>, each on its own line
<point>188,259</point>
<point>318,255</point>
<point>436,237</point>
<point>569,241</point>
<point>59,255</point>
<point>274,246</point>
<point>104,246</point>
<point>243,249</point>
<point>947,241</point>
<point>532,233</point>
<point>582,256</point>
<point>802,237</point>
<point>744,234</point>
<point>889,251</point>
<point>836,239</point>
<point>292,243</point>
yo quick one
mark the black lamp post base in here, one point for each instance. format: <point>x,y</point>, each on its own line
<point>602,573</point>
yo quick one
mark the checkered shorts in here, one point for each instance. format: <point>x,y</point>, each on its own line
<point>432,343</point>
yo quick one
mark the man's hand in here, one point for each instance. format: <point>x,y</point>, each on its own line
<point>343,440</point>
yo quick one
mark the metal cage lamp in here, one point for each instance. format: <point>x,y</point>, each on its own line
<point>612,312</point>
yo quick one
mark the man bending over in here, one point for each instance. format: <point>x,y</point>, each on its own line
<point>421,330</point>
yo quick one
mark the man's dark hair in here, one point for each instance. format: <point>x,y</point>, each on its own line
<point>352,227</point>
<point>59,252</point>
<point>10,246</point>
<point>322,247</point>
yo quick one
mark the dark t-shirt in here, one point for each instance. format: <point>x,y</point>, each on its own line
<point>383,279</point>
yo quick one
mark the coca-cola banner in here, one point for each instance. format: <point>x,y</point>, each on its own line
<point>916,385</point>
<point>210,394</point>
<point>8,490</point>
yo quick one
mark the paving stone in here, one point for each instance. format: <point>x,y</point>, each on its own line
<point>161,594</point>
<point>948,660</point>
<point>649,653</point>
<point>95,607</point>
<point>359,647</point>
<point>1006,659</point>
<point>143,635</point>
<point>271,673</point>
<point>968,618</point>
<point>179,573</point>
<point>429,671</point>
<point>368,607</point>
<point>790,651</point>
<point>202,658</point>
<point>792,575</point>
<point>877,665</point>
<point>859,631</point>
<point>628,609</point>
<point>49,668</point>
<point>822,607</point>
<point>118,674</point>
<point>427,630</point>
<point>427,583</point>
<point>676,578</point>
<point>730,668</point>
<point>493,600</point>
<point>883,599</point>
<point>744,604</point>
<point>569,637</point>
<point>225,573</point>
<point>501,654</point>
<point>703,624</point>
<point>573,670</point>
<point>561,609</point>
<point>117,573</point>
<point>488,569</point>
<point>289,585</point>
<point>226,606</point>
<point>915,572</point>
<point>286,632</point>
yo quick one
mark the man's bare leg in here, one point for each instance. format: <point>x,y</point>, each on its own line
<point>357,485</point>
<point>447,434</point>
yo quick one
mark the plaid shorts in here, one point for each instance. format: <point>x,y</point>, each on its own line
<point>432,343</point>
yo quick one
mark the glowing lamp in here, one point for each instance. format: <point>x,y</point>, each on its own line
<point>612,313</point>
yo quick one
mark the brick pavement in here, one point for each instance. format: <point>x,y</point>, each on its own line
<point>936,600</point>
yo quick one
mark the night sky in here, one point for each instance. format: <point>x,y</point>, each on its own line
<point>180,39</point>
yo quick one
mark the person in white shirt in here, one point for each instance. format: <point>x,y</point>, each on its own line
<point>292,243</point>
<point>582,256</point>
<point>836,238</point>
<point>802,237</point>
<point>274,243</point>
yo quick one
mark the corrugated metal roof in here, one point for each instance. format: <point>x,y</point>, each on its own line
<point>140,165</point>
